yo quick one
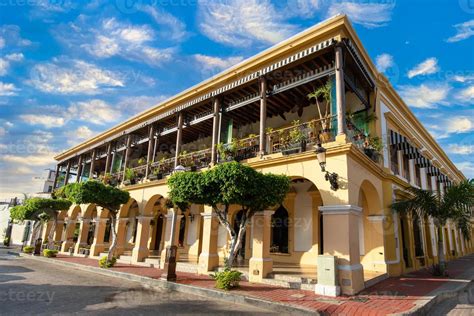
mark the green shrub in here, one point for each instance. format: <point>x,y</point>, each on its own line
<point>103,263</point>
<point>50,253</point>
<point>227,279</point>
<point>28,249</point>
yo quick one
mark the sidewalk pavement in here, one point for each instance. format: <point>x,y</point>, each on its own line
<point>415,292</point>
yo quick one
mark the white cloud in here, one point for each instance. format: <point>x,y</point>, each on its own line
<point>3,131</point>
<point>427,67</point>
<point>15,57</point>
<point>466,94</point>
<point>8,89</point>
<point>110,37</point>
<point>216,64</point>
<point>6,61</point>
<point>461,149</point>
<point>368,14</point>
<point>302,8</point>
<point>2,42</point>
<point>242,22</point>
<point>447,126</point>
<point>425,96</point>
<point>47,121</point>
<point>174,28</point>
<point>10,35</point>
<point>384,62</point>
<point>78,77</point>
<point>4,65</point>
<point>467,168</point>
<point>136,104</point>
<point>24,170</point>
<point>94,111</point>
<point>79,134</point>
<point>464,31</point>
<point>31,160</point>
<point>462,78</point>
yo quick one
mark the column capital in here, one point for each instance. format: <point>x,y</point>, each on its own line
<point>340,209</point>
<point>265,213</point>
<point>84,220</point>
<point>142,219</point>
<point>208,215</point>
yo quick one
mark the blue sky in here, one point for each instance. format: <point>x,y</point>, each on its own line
<point>71,69</point>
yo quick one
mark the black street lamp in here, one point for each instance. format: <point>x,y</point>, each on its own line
<point>330,176</point>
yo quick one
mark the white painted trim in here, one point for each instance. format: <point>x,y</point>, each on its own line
<point>376,218</point>
<point>340,209</point>
<point>353,267</point>
<point>327,290</point>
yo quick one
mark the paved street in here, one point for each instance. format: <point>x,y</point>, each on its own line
<point>33,287</point>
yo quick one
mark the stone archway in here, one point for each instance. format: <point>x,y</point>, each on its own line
<point>371,231</point>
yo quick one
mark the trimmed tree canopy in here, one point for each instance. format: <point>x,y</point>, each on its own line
<point>95,192</point>
<point>34,207</point>
<point>227,184</point>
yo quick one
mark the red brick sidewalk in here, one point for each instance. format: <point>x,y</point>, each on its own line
<point>393,295</point>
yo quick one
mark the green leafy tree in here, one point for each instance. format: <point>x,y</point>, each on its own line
<point>40,210</point>
<point>106,196</point>
<point>455,204</point>
<point>230,184</point>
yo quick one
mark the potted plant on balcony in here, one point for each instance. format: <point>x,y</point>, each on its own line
<point>129,177</point>
<point>296,140</point>
<point>228,151</point>
<point>372,148</point>
<point>323,92</point>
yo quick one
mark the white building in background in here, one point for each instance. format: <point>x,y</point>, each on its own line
<point>21,232</point>
<point>47,183</point>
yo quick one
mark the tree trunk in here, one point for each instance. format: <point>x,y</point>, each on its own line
<point>236,244</point>
<point>51,232</point>
<point>441,254</point>
<point>113,243</point>
<point>34,233</point>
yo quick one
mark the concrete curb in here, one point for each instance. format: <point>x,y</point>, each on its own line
<point>184,288</point>
<point>444,292</point>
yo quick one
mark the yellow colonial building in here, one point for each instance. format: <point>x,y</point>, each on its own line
<point>259,113</point>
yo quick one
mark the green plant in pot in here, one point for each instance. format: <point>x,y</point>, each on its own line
<point>373,147</point>
<point>324,93</point>
<point>296,139</point>
<point>228,151</point>
<point>129,176</point>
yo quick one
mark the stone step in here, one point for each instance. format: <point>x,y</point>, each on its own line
<point>154,262</point>
<point>293,278</point>
<point>186,267</point>
<point>376,280</point>
<point>124,259</point>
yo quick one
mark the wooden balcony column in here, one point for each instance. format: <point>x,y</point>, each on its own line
<point>155,145</point>
<point>68,170</point>
<point>127,153</point>
<point>263,115</point>
<point>91,172</point>
<point>55,183</point>
<point>108,159</point>
<point>179,139</point>
<point>79,169</point>
<point>340,94</point>
<point>151,133</point>
<point>215,131</point>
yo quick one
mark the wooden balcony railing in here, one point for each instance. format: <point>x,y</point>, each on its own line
<point>298,137</point>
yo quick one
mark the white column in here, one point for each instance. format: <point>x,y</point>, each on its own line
<point>434,241</point>
<point>424,179</point>
<point>400,162</point>
<point>411,165</point>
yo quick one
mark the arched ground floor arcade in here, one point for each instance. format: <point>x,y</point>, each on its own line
<point>284,245</point>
